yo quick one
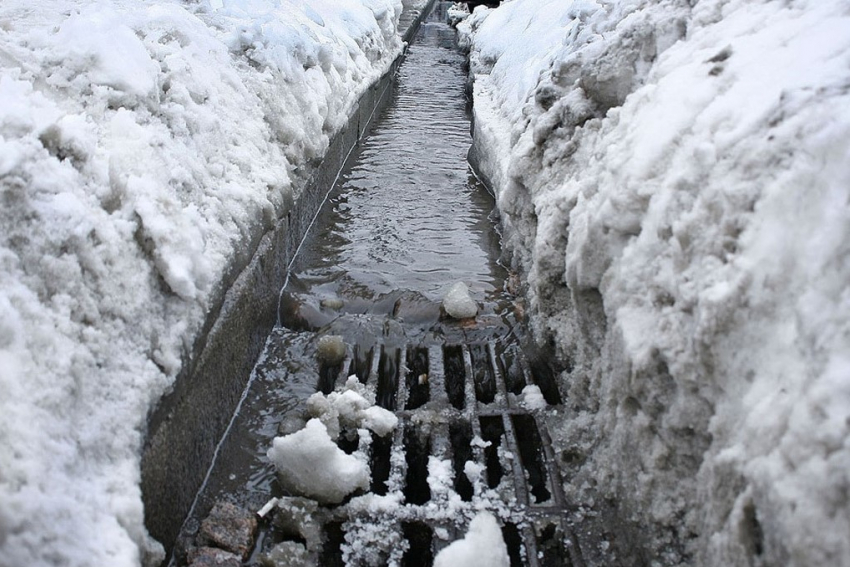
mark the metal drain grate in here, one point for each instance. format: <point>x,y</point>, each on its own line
<point>458,404</point>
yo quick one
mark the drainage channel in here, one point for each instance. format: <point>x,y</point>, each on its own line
<point>405,221</point>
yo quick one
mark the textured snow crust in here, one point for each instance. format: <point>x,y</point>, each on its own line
<point>673,179</point>
<point>144,149</point>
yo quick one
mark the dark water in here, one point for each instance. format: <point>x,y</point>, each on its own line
<point>406,220</point>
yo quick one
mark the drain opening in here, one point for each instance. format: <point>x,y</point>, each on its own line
<point>388,378</point>
<point>455,375</point>
<point>327,377</point>
<point>361,363</point>
<point>419,391</point>
<point>334,538</point>
<point>417,450</point>
<point>545,380</point>
<point>348,441</point>
<point>513,540</point>
<point>484,379</point>
<point>460,436</point>
<point>492,430</point>
<point>551,549</point>
<point>511,369</point>
<point>380,463</point>
<point>531,455</point>
<point>419,537</point>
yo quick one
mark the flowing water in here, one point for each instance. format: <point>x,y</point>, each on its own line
<point>406,219</point>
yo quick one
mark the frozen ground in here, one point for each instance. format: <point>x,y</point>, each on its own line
<point>144,145</point>
<point>674,179</point>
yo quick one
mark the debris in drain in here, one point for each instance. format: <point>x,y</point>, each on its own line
<point>229,528</point>
<point>483,546</point>
<point>309,463</point>
<point>458,303</point>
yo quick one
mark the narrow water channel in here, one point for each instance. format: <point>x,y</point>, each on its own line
<point>406,220</point>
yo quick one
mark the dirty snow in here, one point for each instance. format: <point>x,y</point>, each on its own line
<point>144,148</point>
<point>673,180</point>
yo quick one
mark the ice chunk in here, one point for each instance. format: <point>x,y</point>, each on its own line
<point>350,409</point>
<point>458,302</point>
<point>483,546</point>
<point>532,398</point>
<point>309,463</point>
<point>286,554</point>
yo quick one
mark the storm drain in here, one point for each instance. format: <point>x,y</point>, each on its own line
<point>465,442</point>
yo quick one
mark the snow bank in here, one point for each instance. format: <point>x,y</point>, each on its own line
<point>673,180</point>
<point>144,148</point>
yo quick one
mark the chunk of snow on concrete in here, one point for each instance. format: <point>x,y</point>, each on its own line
<point>309,463</point>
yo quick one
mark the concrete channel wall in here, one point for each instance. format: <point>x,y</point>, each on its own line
<point>186,426</point>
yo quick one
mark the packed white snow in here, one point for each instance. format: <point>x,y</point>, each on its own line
<point>673,180</point>
<point>458,303</point>
<point>483,546</point>
<point>351,409</point>
<point>532,398</point>
<point>309,463</point>
<point>145,146</point>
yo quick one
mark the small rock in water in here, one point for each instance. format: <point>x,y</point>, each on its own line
<point>230,528</point>
<point>458,303</point>
<point>213,557</point>
<point>331,350</point>
<point>334,303</point>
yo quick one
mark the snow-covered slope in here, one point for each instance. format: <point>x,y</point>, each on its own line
<point>675,180</point>
<point>144,145</point>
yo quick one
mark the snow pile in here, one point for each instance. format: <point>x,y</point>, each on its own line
<point>673,180</point>
<point>144,149</point>
<point>351,409</point>
<point>483,546</point>
<point>309,463</point>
